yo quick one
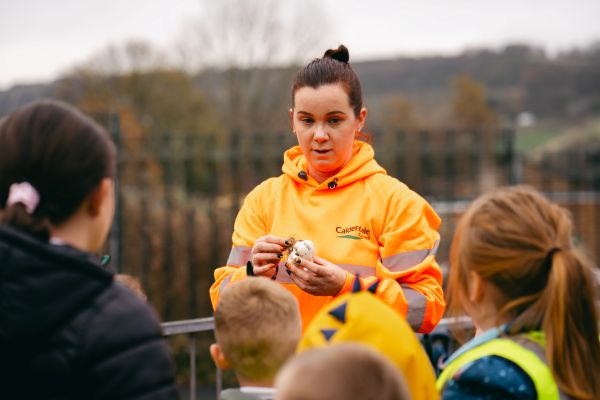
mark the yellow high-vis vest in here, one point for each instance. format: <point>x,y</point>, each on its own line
<point>530,359</point>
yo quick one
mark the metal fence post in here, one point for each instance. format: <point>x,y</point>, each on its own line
<point>192,339</point>
<point>114,127</point>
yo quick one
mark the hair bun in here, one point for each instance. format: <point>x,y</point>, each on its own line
<point>339,54</point>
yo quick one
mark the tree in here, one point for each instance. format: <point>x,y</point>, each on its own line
<point>236,43</point>
<point>399,114</point>
<point>471,114</point>
<point>469,108</point>
<point>135,77</point>
<point>151,100</point>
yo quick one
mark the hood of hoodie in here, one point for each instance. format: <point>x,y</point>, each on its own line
<point>361,165</point>
<point>43,286</point>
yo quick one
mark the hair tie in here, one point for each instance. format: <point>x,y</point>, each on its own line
<point>549,255</point>
<point>25,194</point>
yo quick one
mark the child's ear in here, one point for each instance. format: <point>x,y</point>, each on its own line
<point>218,356</point>
<point>98,196</point>
<point>477,287</point>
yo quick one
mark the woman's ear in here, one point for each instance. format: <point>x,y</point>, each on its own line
<point>98,196</point>
<point>218,357</point>
<point>291,115</point>
<point>362,117</point>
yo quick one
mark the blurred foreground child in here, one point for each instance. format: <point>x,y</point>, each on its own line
<point>516,272</point>
<point>67,330</point>
<point>340,372</point>
<point>361,317</point>
<point>257,328</point>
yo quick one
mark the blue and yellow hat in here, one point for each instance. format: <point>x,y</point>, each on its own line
<point>361,317</point>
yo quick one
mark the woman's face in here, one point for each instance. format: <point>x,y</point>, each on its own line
<point>325,125</point>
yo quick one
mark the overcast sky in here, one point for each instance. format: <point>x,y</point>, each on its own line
<point>40,39</point>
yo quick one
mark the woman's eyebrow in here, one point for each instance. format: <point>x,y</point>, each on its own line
<point>329,113</point>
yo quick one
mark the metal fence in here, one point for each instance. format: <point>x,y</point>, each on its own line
<point>193,327</point>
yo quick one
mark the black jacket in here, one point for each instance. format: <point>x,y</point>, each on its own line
<point>67,331</point>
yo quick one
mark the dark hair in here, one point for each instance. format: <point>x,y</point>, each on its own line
<point>332,68</point>
<point>61,152</point>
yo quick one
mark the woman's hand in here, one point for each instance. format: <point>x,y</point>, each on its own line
<point>266,254</point>
<point>319,278</point>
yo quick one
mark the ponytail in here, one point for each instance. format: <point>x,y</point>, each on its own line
<point>21,203</point>
<point>16,215</point>
<point>570,322</point>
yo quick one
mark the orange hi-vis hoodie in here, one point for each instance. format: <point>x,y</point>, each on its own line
<point>361,219</point>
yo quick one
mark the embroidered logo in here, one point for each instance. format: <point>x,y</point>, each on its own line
<point>356,232</point>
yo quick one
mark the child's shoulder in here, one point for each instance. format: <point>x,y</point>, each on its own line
<point>490,377</point>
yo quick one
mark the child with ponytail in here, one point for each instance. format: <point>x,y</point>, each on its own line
<point>531,294</point>
<point>67,330</point>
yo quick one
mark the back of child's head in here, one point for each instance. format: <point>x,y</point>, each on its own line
<point>522,244</point>
<point>60,153</point>
<point>361,317</point>
<point>257,326</point>
<point>339,372</point>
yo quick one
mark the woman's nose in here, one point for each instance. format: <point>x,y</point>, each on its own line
<point>320,135</point>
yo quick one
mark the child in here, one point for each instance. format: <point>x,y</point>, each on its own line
<point>340,372</point>
<point>361,317</point>
<point>257,328</point>
<point>67,330</point>
<point>516,272</point>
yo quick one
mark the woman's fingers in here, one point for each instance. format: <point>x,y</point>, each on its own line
<point>266,258</point>
<point>321,280</point>
<point>276,240</point>
<point>300,272</point>
<point>264,247</point>
<point>266,269</point>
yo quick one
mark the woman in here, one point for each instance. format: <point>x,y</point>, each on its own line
<point>334,193</point>
<point>67,330</point>
<point>516,272</point>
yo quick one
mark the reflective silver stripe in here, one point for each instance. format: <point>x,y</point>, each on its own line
<point>361,270</point>
<point>239,255</point>
<point>408,259</point>
<point>224,283</point>
<point>417,304</point>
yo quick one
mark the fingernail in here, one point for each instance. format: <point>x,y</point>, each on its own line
<point>279,255</point>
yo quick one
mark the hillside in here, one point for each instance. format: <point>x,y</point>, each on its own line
<point>517,78</point>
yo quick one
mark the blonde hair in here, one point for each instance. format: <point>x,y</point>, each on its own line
<point>339,372</point>
<point>521,243</point>
<point>257,326</point>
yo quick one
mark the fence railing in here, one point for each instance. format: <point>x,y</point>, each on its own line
<point>192,327</point>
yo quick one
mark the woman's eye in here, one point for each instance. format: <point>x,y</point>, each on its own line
<point>335,120</point>
<point>307,120</point>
